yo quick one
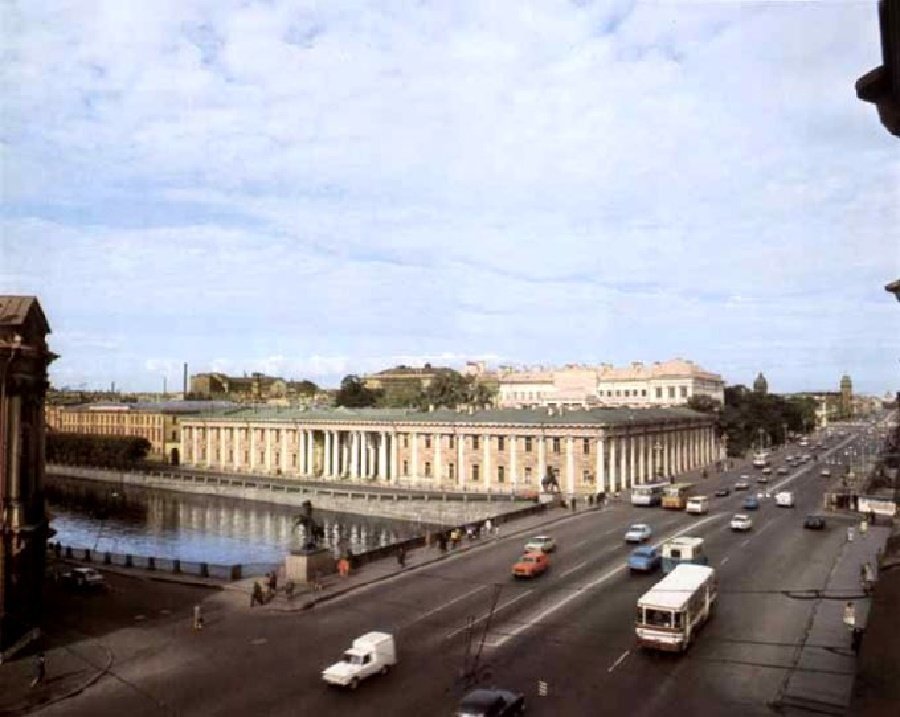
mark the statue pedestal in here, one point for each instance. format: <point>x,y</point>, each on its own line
<point>302,566</point>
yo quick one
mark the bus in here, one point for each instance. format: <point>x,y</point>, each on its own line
<point>684,549</point>
<point>760,459</point>
<point>698,504</point>
<point>675,495</point>
<point>647,494</point>
<point>672,611</point>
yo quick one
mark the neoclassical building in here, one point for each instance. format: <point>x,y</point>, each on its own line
<point>507,451</point>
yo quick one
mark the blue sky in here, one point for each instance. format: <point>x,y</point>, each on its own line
<point>314,189</point>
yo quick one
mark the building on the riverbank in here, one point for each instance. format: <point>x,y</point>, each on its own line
<point>638,385</point>
<point>257,388</point>
<point>24,358</point>
<point>159,422</point>
<point>505,451</point>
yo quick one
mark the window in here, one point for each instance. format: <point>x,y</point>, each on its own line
<point>528,474</point>
<point>427,441</point>
<point>500,474</point>
<point>586,477</point>
<point>476,472</point>
<point>406,468</point>
<point>474,443</point>
<point>586,446</point>
<point>528,444</point>
<point>659,391</point>
<point>293,460</point>
<point>643,393</point>
<point>671,392</point>
<point>683,391</point>
<point>427,469</point>
<point>556,445</point>
<point>451,471</point>
<point>501,443</point>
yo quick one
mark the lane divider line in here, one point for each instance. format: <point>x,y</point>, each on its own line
<point>445,605</point>
<point>484,617</point>
<point>619,661</point>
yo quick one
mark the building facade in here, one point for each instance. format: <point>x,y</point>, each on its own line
<point>158,422</point>
<point>661,384</point>
<point>503,451</point>
<point>255,388</point>
<point>24,358</point>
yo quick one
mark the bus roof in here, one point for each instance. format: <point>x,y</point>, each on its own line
<point>676,487</point>
<point>674,590</point>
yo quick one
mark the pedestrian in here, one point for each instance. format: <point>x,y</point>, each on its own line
<point>871,517</point>
<point>488,527</point>
<point>273,582</point>
<point>497,530</point>
<point>40,670</point>
<point>256,596</point>
<point>401,557</point>
<point>198,618</point>
<point>849,533</point>
<point>850,615</point>
<point>573,503</point>
<point>590,500</point>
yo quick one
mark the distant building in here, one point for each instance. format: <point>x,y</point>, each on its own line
<point>661,384</point>
<point>24,358</point>
<point>846,396</point>
<point>760,385</point>
<point>404,377</point>
<point>255,388</point>
<point>158,422</point>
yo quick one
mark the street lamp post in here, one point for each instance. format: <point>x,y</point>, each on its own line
<point>659,449</point>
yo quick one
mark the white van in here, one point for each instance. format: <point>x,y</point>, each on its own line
<point>369,654</point>
<point>785,499</point>
<point>698,505</point>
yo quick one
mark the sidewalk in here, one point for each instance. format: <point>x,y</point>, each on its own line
<point>825,665</point>
<point>304,597</point>
<point>70,669</point>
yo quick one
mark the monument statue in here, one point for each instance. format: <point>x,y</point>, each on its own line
<point>549,481</point>
<point>313,531</point>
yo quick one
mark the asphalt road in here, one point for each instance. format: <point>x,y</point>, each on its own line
<point>572,628</point>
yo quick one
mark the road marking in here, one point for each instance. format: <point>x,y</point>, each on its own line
<point>484,617</point>
<point>581,542</point>
<point>619,661</point>
<point>745,542</point>
<point>559,604</point>
<point>576,567</point>
<point>446,605</point>
<point>614,530</point>
<point>724,560</point>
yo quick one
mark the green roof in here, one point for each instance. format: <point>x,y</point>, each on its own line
<point>594,416</point>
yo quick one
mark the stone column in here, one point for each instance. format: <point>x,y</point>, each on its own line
<point>613,440</point>
<point>664,440</point>
<point>195,446</point>
<point>623,466</point>
<point>570,464</point>
<point>438,468</point>
<point>209,447</point>
<point>284,450</point>
<point>382,455</point>
<point>512,463</point>
<point>542,458</point>
<point>326,453</point>
<point>393,466</point>
<point>461,468</point>
<point>487,462</point>
<point>642,458</point>
<point>601,464</point>
<point>414,463</point>
<point>632,450</point>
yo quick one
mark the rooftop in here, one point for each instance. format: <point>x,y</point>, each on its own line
<point>674,590</point>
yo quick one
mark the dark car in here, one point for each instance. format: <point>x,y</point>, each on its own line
<point>83,578</point>
<point>814,522</point>
<point>751,503</point>
<point>720,492</point>
<point>491,703</point>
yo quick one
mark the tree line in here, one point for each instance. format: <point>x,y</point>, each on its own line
<point>98,451</point>
<point>448,389</point>
<point>755,420</point>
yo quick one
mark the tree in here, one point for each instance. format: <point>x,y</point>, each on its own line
<point>354,394</point>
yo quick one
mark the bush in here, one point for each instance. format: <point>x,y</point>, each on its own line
<point>100,451</point>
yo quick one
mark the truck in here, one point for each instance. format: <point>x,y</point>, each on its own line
<point>370,654</point>
<point>784,499</point>
<point>698,505</point>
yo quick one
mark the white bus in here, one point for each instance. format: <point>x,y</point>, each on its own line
<point>672,611</point>
<point>647,494</point>
<point>760,459</point>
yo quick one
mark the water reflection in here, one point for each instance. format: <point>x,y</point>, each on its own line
<point>214,529</point>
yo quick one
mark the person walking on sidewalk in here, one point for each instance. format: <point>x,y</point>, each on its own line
<point>401,557</point>
<point>256,597</point>
<point>40,670</point>
<point>488,527</point>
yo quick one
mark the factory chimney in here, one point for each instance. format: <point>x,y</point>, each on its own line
<point>185,387</point>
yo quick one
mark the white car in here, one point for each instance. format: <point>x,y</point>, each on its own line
<point>638,533</point>
<point>83,578</point>
<point>540,544</point>
<point>741,522</point>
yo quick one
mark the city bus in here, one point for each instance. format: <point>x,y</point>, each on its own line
<point>675,495</point>
<point>760,459</point>
<point>672,611</point>
<point>684,549</point>
<point>647,494</point>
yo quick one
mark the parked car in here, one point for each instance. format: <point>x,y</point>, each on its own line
<point>531,565</point>
<point>369,654</point>
<point>638,533</point>
<point>814,522</point>
<point>751,503</point>
<point>541,544</point>
<point>741,522</point>
<point>645,559</point>
<point>491,703</point>
<point>83,578</point>
<point>721,492</point>
<point>742,485</point>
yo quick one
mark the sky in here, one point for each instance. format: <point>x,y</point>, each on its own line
<point>312,189</point>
